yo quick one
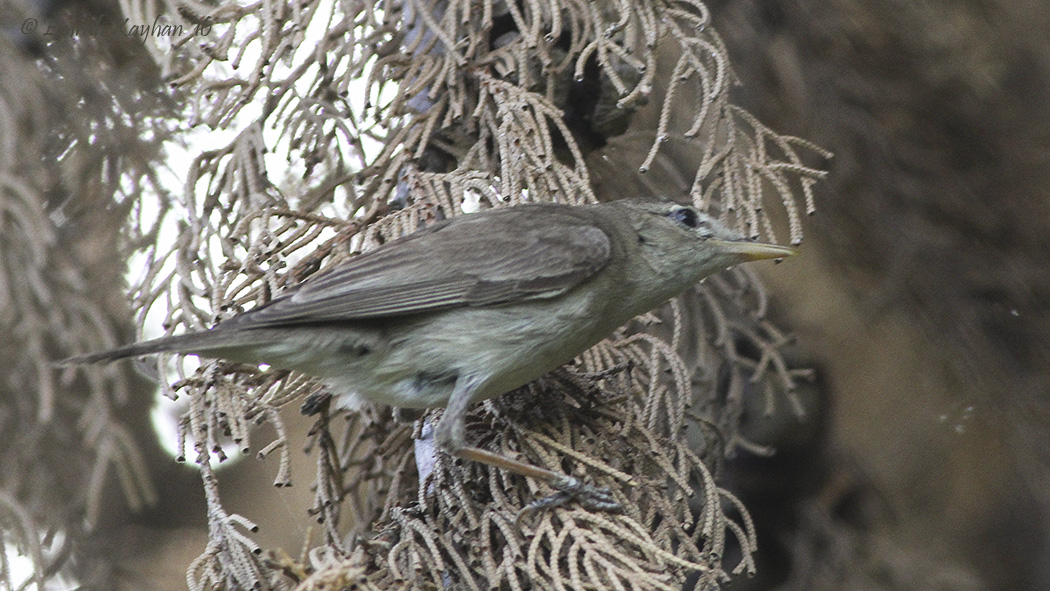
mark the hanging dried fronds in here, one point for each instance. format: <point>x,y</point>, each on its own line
<point>495,103</point>
<point>70,134</point>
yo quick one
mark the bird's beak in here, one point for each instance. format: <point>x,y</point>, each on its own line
<point>754,251</point>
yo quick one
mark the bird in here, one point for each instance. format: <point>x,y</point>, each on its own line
<point>475,306</point>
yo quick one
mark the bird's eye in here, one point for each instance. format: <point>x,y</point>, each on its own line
<point>692,220</point>
<point>685,216</point>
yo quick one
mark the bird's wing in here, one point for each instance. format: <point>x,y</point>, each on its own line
<point>479,259</point>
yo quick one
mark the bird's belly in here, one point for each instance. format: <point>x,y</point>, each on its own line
<point>501,347</point>
<point>528,343</point>
<point>419,391</point>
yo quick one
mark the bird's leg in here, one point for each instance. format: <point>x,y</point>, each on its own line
<point>451,438</point>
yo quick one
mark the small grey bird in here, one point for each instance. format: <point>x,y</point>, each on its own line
<point>476,306</point>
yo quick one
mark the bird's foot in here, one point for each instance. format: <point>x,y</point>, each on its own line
<point>315,403</point>
<point>571,489</point>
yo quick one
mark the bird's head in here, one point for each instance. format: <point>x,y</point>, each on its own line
<point>679,240</point>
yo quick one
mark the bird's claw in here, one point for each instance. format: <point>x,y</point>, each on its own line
<point>569,489</point>
<point>315,403</point>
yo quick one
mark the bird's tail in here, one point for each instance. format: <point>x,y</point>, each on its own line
<point>185,343</point>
